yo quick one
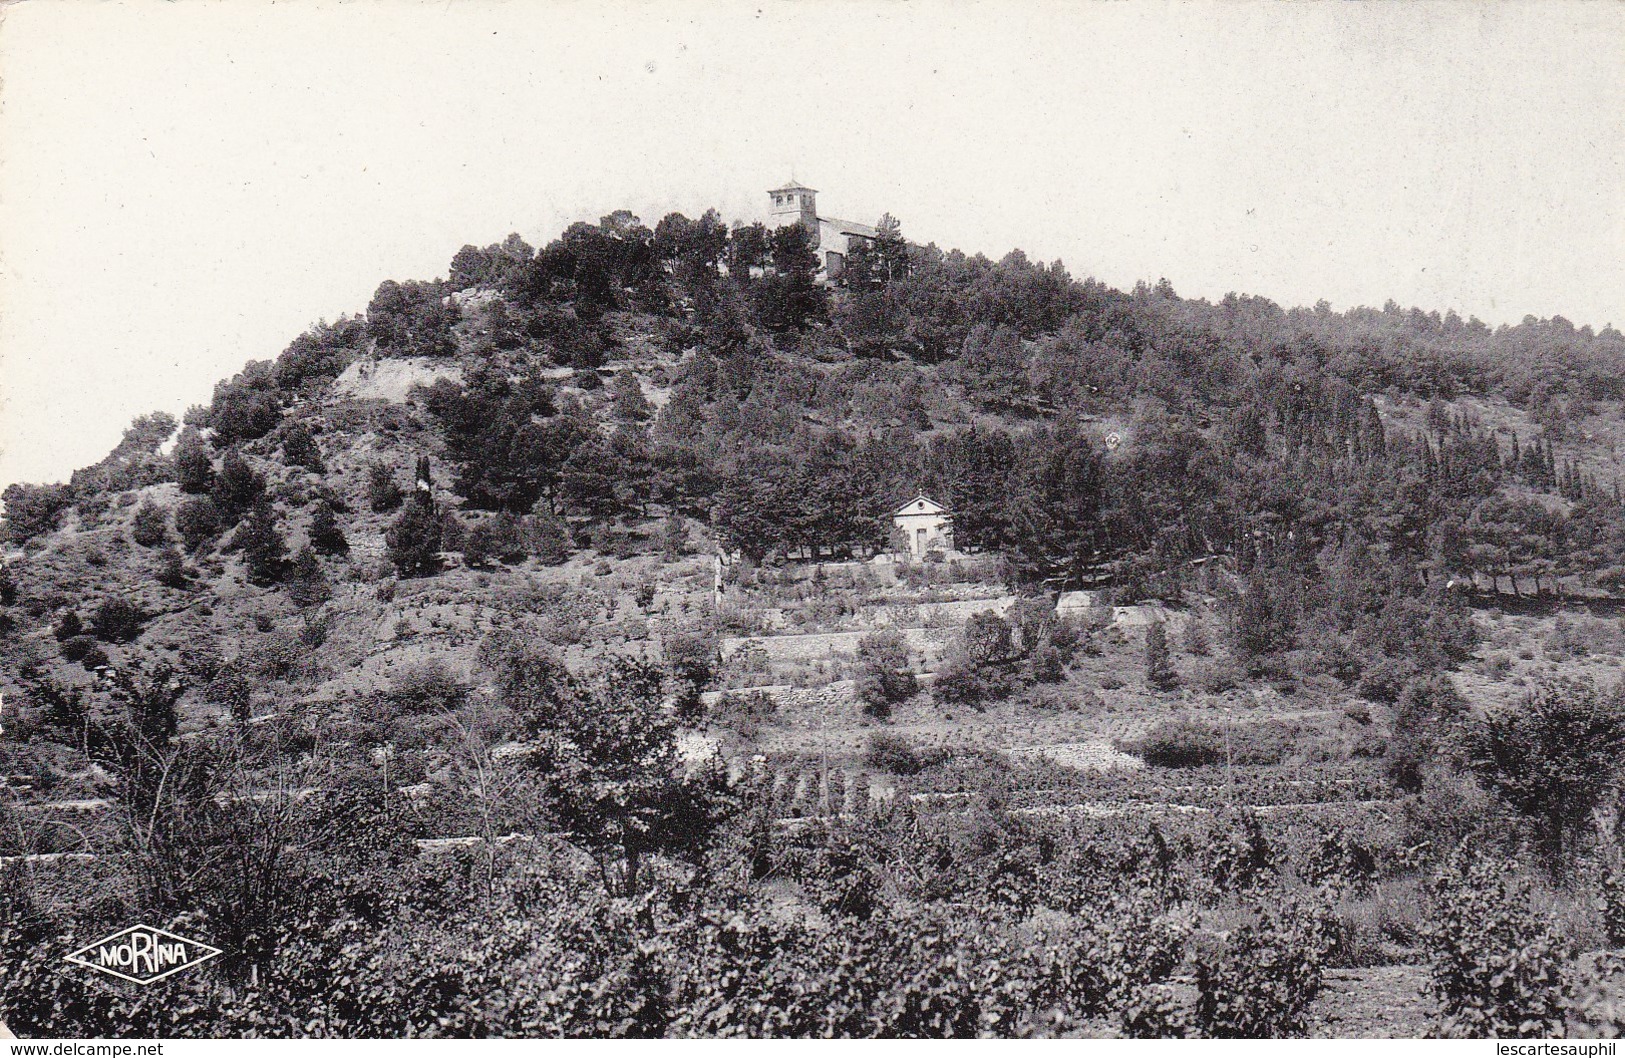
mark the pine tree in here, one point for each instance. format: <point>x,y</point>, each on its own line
<point>1159,669</point>
<point>300,449</point>
<point>193,468</point>
<point>673,537</point>
<point>307,584</point>
<point>238,487</point>
<point>630,405</point>
<point>414,539</point>
<point>325,535</point>
<point>383,494</point>
<point>263,549</point>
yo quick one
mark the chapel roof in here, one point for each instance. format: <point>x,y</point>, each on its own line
<point>921,504</point>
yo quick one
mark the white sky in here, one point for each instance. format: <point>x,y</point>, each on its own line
<point>187,185</point>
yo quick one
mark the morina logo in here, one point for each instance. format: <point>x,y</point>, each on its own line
<point>143,954</point>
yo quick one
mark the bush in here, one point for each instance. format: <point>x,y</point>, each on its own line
<point>1426,708</point>
<point>415,539</point>
<point>885,678</point>
<point>1159,669</point>
<point>118,621</point>
<point>1261,984</point>
<point>231,690</point>
<point>76,647</point>
<point>427,687</point>
<point>149,526</point>
<point>237,487</point>
<point>199,522</point>
<point>264,552</point>
<point>691,659</point>
<point>194,468</point>
<point>325,535</point>
<point>896,755</point>
<point>744,711</point>
<point>171,572</point>
<point>1496,965</point>
<point>501,538</point>
<point>673,537</point>
<point>383,494</point>
<point>1182,743</point>
<point>961,682</point>
<point>300,449</point>
<point>307,583</point>
<point>1553,759</point>
<point>1386,680</point>
<point>242,410</point>
<point>33,509</point>
<point>68,627</point>
<point>549,538</point>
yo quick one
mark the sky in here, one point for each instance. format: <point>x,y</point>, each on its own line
<point>186,185</point>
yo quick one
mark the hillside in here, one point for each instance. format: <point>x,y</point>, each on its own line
<point>1229,582</point>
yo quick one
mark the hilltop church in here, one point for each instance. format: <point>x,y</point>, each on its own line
<point>831,239</point>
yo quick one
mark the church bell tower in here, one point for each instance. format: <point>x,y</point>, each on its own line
<point>793,204</point>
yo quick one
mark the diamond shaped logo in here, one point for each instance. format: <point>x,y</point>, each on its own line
<point>143,954</point>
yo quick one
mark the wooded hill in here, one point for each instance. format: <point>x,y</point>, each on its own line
<point>622,383</point>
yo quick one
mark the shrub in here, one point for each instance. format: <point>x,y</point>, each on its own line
<point>171,572</point>
<point>673,537</point>
<point>427,687</point>
<point>1496,965</point>
<point>962,682</point>
<point>264,551</point>
<point>231,690</point>
<point>69,626</point>
<point>383,494</point>
<point>897,755</point>
<point>194,468</point>
<point>1424,711</point>
<point>987,638</point>
<point>237,487</point>
<point>300,449</point>
<point>1386,680</point>
<point>1181,743</point>
<point>76,647</point>
<point>199,522</point>
<point>415,538</point>
<point>307,584</point>
<point>691,659</point>
<point>1261,984</point>
<point>242,410</point>
<point>1553,759</point>
<point>549,538</point>
<point>325,535</point>
<point>1194,638</point>
<point>885,678</point>
<point>744,711</point>
<point>627,399</point>
<point>118,621</point>
<point>501,537</point>
<point>1159,669</point>
<point>94,658</point>
<point>33,509</point>
<point>149,526</point>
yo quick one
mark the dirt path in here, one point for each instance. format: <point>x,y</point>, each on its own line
<point>1378,1001</point>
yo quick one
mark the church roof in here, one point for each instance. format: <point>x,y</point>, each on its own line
<point>852,227</point>
<point>921,504</point>
<point>793,186</point>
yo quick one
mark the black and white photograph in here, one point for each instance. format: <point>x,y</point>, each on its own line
<point>867,519</point>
